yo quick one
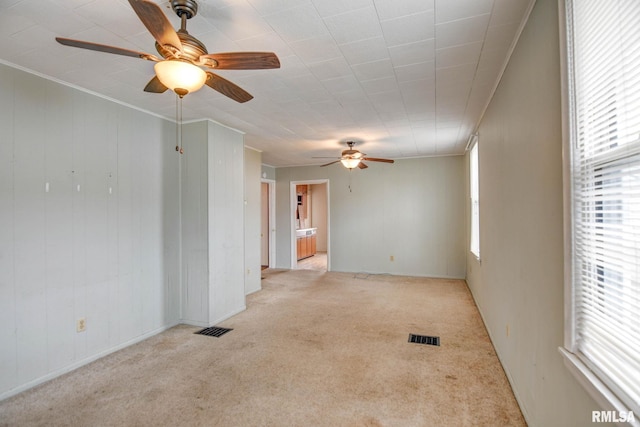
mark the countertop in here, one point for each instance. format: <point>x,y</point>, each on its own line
<point>301,232</point>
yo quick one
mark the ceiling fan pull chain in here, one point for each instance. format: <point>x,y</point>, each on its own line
<point>177,127</point>
<point>180,102</point>
<point>179,124</point>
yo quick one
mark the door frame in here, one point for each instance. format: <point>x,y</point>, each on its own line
<point>293,203</point>
<point>271,183</point>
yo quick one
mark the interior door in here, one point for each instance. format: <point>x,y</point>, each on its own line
<point>264,226</point>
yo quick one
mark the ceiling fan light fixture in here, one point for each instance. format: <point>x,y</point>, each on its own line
<point>180,76</point>
<point>350,163</point>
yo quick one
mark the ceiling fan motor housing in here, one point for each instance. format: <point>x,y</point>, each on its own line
<point>189,8</point>
<point>351,153</point>
<point>192,48</point>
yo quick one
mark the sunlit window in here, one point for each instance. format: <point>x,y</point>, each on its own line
<point>475,204</point>
<point>603,64</point>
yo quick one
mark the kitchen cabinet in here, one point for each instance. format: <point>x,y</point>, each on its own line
<point>306,244</point>
<point>311,242</point>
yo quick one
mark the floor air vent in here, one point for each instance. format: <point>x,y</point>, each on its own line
<point>424,339</point>
<point>214,331</point>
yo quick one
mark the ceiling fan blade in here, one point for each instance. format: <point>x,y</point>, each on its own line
<point>227,88</point>
<point>155,86</point>
<point>329,163</point>
<point>374,159</point>
<point>244,60</point>
<point>157,23</point>
<point>361,165</point>
<point>104,48</point>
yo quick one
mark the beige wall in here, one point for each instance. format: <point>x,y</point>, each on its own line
<point>518,285</point>
<point>412,210</point>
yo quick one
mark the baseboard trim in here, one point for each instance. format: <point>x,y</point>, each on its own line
<point>216,321</point>
<point>78,364</point>
<point>516,394</point>
<point>228,315</point>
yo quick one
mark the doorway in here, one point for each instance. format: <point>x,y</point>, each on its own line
<point>267,224</point>
<point>310,225</point>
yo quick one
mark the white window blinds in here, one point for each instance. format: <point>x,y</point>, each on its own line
<point>604,64</point>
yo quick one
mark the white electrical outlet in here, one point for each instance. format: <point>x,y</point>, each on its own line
<point>81,325</point>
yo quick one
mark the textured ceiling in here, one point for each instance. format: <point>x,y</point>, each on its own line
<point>403,78</point>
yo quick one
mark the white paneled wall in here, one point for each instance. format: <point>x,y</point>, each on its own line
<point>226,222</point>
<point>212,223</point>
<point>195,276</point>
<point>89,215</point>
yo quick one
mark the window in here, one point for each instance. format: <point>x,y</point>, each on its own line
<point>474,192</point>
<point>602,344</point>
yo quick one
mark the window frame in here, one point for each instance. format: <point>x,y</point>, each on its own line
<point>474,197</point>
<point>576,364</point>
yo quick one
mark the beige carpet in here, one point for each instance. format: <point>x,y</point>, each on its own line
<point>312,349</point>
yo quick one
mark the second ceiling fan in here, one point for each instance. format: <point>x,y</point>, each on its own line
<point>183,55</point>
<point>352,158</point>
